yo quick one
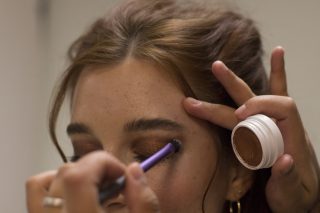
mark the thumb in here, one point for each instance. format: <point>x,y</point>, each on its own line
<point>284,189</point>
<point>139,197</point>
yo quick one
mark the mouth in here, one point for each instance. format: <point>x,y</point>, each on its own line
<point>114,205</point>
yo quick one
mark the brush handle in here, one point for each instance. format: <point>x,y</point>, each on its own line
<point>111,190</point>
<point>155,158</point>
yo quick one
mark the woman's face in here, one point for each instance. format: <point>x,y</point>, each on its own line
<point>132,110</point>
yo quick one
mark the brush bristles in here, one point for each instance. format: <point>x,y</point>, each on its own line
<point>176,144</point>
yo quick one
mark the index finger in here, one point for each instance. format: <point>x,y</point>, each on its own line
<point>235,86</point>
<point>82,180</point>
<point>36,189</point>
<point>278,80</point>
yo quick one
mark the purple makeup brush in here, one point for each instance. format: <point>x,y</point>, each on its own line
<point>114,188</point>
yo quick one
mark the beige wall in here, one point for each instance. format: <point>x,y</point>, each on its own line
<point>22,101</point>
<point>33,48</point>
<point>294,25</point>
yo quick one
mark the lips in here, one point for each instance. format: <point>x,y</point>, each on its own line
<point>115,205</point>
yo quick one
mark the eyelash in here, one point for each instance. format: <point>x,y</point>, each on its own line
<point>76,156</point>
<point>73,158</point>
<point>139,157</point>
<point>83,147</point>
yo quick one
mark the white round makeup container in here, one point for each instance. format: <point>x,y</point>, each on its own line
<point>257,142</point>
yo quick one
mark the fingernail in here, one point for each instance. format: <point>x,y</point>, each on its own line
<point>193,101</point>
<point>290,167</point>
<point>137,172</point>
<point>219,65</point>
<point>279,47</point>
<point>240,112</point>
<point>225,68</point>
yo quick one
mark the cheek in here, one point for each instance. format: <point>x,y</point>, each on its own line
<point>180,184</point>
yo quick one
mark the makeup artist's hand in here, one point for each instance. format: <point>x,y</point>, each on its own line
<point>294,182</point>
<point>76,183</point>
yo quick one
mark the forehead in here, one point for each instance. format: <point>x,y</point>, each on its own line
<point>130,90</point>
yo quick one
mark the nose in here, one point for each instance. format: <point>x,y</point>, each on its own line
<point>116,150</point>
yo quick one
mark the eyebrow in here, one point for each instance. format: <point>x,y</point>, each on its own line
<point>78,128</point>
<point>152,124</point>
<point>132,126</point>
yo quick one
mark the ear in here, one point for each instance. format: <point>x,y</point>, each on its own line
<point>241,180</point>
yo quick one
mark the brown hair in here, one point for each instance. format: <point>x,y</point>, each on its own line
<point>184,40</point>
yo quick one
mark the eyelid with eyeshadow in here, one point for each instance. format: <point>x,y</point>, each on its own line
<point>83,146</point>
<point>141,146</point>
<point>145,148</point>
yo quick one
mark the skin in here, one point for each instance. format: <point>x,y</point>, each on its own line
<point>296,173</point>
